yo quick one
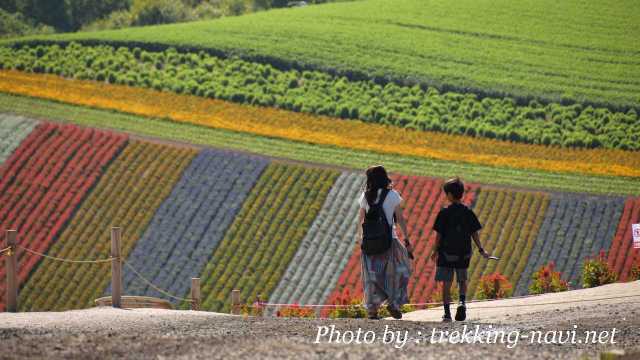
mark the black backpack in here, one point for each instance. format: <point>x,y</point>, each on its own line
<point>376,230</point>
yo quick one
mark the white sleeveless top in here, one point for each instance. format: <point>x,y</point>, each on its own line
<point>392,201</point>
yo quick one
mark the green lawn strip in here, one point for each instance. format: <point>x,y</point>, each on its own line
<point>326,155</point>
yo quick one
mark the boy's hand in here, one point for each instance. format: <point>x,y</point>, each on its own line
<point>484,253</point>
<point>434,255</point>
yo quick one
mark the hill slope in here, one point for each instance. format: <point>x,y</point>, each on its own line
<point>573,51</point>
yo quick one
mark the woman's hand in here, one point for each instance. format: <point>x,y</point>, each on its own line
<point>407,245</point>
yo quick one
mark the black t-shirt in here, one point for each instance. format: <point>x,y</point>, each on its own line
<point>455,224</point>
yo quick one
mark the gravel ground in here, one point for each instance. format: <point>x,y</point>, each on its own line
<point>147,333</point>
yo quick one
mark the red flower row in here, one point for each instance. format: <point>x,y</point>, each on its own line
<point>44,181</point>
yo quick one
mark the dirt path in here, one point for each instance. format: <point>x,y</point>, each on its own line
<point>503,311</point>
<point>147,334</point>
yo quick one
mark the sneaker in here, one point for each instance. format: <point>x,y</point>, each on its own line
<point>395,312</point>
<point>373,316</point>
<point>446,318</point>
<point>461,312</point>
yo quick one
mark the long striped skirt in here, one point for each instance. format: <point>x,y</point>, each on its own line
<point>385,277</point>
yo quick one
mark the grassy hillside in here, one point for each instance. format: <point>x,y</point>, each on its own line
<point>569,51</point>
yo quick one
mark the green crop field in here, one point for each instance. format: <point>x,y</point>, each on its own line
<point>569,51</point>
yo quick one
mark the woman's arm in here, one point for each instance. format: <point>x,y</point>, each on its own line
<point>360,222</point>
<point>403,226</point>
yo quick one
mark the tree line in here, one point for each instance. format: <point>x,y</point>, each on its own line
<point>75,15</point>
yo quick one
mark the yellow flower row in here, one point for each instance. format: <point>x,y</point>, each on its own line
<point>320,130</point>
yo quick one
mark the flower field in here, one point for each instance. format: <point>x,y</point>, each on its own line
<point>191,221</point>
<point>127,195</point>
<point>13,129</point>
<point>322,130</point>
<point>622,255</point>
<point>423,198</point>
<point>325,249</point>
<point>511,221</point>
<point>264,237</point>
<point>320,93</point>
<point>574,227</point>
<point>44,180</point>
<point>283,232</point>
<point>307,152</point>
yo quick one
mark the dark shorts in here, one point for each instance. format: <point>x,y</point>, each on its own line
<point>446,274</point>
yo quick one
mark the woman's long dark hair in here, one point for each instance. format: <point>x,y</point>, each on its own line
<point>377,178</point>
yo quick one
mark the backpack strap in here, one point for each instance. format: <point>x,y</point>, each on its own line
<point>380,203</point>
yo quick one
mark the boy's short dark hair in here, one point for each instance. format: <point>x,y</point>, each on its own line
<point>455,187</point>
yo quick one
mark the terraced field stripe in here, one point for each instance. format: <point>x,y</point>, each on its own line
<point>511,221</point>
<point>574,227</point>
<point>325,250</point>
<point>264,237</point>
<point>321,130</point>
<point>45,180</point>
<point>622,256</point>
<point>13,129</point>
<point>423,198</point>
<point>191,221</point>
<point>303,151</point>
<point>132,188</point>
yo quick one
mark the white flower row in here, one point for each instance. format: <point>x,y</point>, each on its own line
<point>574,227</point>
<point>326,248</point>
<point>13,129</point>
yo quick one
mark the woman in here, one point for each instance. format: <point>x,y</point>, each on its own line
<point>385,276</point>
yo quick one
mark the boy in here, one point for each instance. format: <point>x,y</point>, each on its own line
<point>455,226</point>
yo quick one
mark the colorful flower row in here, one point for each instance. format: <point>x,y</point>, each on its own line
<point>511,221</point>
<point>128,194</point>
<point>43,182</point>
<point>326,248</point>
<point>259,245</point>
<point>191,221</point>
<point>321,130</point>
<point>574,228</point>
<point>320,93</point>
<point>622,256</point>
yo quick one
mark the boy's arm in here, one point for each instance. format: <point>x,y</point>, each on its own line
<point>476,239</point>
<point>436,246</point>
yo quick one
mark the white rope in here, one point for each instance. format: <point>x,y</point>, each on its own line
<point>162,291</point>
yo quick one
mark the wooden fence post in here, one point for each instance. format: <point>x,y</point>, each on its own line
<point>11,264</point>
<point>116,268</point>
<point>195,294</point>
<point>235,302</point>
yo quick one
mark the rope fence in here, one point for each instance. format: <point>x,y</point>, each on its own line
<point>115,259</point>
<point>156,288</point>
<point>110,259</point>
<point>259,304</point>
<point>5,250</point>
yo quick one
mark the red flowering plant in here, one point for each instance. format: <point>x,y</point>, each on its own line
<point>547,280</point>
<point>348,307</point>
<point>494,286</point>
<point>295,310</point>
<point>596,271</point>
<point>635,271</point>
